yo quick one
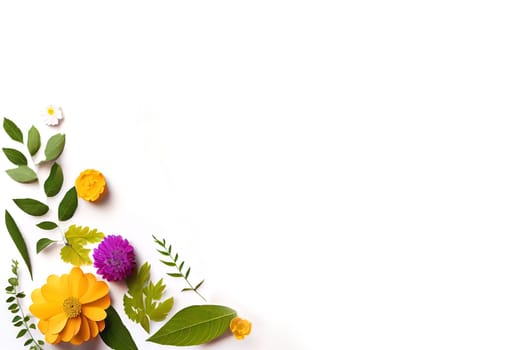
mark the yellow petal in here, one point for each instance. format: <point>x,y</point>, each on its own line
<point>37,296</point>
<point>77,282</point>
<point>101,325</point>
<point>93,313</point>
<point>95,290</point>
<point>71,329</point>
<point>56,289</point>
<point>45,311</point>
<point>93,328</point>
<point>57,323</point>
<point>102,303</point>
<point>84,332</point>
<point>52,338</point>
<point>43,326</point>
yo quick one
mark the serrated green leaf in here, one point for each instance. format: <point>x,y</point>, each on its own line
<point>31,206</point>
<point>18,239</point>
<point>144,322</point>
<point>161,311</point>
<point>16,157</point>
<point>33,140</point>
<point>68,205</point>
<point>139,278</point>
<point>43,243</point>
<point>47,225</point>
<point>54,181</point>
<point>195,325</point>
<point>115,334</point>
<point>54,147</point>
<point>77,237</point>
<point>22,174</point>
<point>13,130</point>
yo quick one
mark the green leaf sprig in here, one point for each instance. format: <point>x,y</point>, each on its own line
<point>142,302</point>
<point>166,250</point>
<point>20,320</point>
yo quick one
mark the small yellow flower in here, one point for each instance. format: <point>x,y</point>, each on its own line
<point>240,328</point>
<point>71,307</point>
<point>90,185</point>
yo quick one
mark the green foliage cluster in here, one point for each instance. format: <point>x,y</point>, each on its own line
<point>20,320</point>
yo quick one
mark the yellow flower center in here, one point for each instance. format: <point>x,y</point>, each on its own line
<point>50,111</point>
<point>72,307</point>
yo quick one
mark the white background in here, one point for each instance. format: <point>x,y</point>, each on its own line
<point>346,175</point>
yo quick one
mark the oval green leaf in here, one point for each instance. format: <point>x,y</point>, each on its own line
<point>43,243</point>
<point>54,181</point>
<point>16,157</point>
<point>55,146</point>
<point>116,335</point>
<point>23,174</point>
<point>31,206</point>
<point>33,140</point>
<point>47,225</point>
<point>68,205</point>
<point>18,239</point>
<point>195,325</point>
<point>13,130</point>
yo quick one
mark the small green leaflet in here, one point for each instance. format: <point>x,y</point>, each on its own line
<point>33,140</point>
<point>18,239</point>
<point>195,325</point>
<point>68,205</point>
<point>43,243</point>
<point>77,237</point>
<point>16,157</point>
<point>142,303</point>
<point>31,206</point>
<point>13,130</point>
<point>116,335</point>
<point>47,225</point>
<point>54,181</point>
<point>23,174</point>
<point>54,147</point>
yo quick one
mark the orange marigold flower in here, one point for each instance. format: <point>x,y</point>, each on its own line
<point>90,185</point>
<point>71,307</point>
<point>240,328</point>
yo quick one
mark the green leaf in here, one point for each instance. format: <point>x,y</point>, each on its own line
<point>43,243</point>
<point>55,146</point>
<point>13,130</point>
<point>15,156</point>
<point>68,205</point>
<point>195,325</point>
<point>161,310</point>
<point>198,285</point>
<point>54,181</point>
<point>77,237</point>
<point>47,225</point>
<point>23,174</point>
<point>18,239</point>
<point>33,140</point>
<point>31,206</point>
<point>175,274</point>
<point>116,335</point>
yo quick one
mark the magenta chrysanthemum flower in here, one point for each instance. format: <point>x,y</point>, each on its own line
<point>114,258</point>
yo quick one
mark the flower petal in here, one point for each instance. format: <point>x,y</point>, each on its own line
<point>71,329</point>
<point>52,338</point>
<point>94,313</point>
<point>101,325</point>
<point>46,311</point>
<point>56,288</point>
<point>37,296</point>
<point>93,328</point>
<point>95,290</point>
<point>102,303</point>
<point>77,282</point>
<point>43,326</point>
<point>84,332</point>
<point>57,323</point>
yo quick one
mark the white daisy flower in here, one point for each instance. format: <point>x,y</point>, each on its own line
<point>52,115</point>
